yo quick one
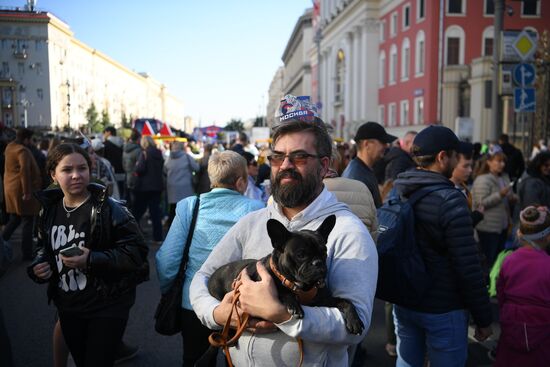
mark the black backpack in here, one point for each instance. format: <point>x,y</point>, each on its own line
<point>402,275</point>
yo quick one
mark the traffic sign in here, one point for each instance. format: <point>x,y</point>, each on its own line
<point>524,45</point>
<point>524,74</point>
<point>524,99</point>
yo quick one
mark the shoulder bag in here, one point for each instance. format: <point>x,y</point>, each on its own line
<point>168,313</point>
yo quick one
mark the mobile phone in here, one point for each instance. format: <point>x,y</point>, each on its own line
<point>74,250</point>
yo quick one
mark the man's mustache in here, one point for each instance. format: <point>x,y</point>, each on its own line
<point>289,173</point>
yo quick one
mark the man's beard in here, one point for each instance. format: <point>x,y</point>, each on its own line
<point>448,172</point>
<point>301,192</point>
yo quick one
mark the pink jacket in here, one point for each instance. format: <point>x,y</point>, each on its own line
<point>523,291</point>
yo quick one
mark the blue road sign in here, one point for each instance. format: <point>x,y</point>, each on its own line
<point>524,99</point>
<point>524,74</point>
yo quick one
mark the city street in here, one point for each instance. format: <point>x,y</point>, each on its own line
<point>30,321</point>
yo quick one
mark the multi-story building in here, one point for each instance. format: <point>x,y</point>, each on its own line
<point>410,63</point>
<point>275,94</point>
<point>435,61</point>
<point>48,78</point>
<point>345,69</point>
<point>297,76</point>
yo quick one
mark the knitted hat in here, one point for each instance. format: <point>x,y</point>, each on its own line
<point>534,222</point>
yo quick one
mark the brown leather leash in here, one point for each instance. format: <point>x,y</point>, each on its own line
<point>222,340</point>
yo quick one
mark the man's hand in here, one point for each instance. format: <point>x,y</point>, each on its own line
<point>76,262</point>
<point>482,333</point>
<point>260,299</point>
<point>255,325</point>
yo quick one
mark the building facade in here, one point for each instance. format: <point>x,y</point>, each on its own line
<point>435,62</point>
<point>274,96</point>
<point>412,63</point>
<point>50,79</point>
<point>296,59</point>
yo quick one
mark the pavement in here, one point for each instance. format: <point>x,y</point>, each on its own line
<point>30,320</point>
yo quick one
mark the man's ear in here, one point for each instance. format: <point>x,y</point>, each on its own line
<point>278,233</point>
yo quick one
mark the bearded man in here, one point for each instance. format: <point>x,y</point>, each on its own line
<point>301,151</point>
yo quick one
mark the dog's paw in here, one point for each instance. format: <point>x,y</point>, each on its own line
<point>354,325</point>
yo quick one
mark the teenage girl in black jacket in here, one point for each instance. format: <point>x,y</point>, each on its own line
<point>94,287</point>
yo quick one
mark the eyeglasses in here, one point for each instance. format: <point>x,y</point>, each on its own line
<point>297,158</point>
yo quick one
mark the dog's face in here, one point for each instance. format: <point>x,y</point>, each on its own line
<point>301,256</point>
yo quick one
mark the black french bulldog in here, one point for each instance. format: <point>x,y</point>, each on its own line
<point>299,261</point>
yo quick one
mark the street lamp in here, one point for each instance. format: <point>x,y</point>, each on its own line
<point>25,103</point>
<point>495,100</point>
<point>68,103</point>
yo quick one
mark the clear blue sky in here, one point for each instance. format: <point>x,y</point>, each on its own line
<point>217,56</point>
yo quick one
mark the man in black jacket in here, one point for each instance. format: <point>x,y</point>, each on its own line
<point>438,324</point>
<point>399,159</point>
<point>515,164</point>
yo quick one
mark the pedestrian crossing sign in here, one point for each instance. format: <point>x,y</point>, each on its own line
<point>524,99</point>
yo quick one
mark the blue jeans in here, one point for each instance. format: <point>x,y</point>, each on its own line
<point>443,336</point>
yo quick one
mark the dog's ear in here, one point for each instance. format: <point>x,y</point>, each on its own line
<point>278,233</point>
<point>327,226</point>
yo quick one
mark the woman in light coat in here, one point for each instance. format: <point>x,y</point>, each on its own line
<point>178,168</point>
<point>492,190</point>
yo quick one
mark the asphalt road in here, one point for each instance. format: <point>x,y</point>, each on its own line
<point>30,320</point>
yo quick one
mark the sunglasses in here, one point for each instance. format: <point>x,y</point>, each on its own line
<point>297,158</point>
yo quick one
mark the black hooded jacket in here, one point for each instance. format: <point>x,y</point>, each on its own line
<point>397,161</point>
<point>118,256</point>
<point>444,233</point>
<point>149,170</point>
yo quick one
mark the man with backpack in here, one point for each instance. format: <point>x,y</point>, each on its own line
<point>436,254</point>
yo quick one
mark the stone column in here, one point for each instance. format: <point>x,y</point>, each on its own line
<point>348,52</point>
<point>370,75</point>
<point>356,75</point>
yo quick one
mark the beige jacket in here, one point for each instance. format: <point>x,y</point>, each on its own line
<point>358,197</point>
<point>486,192</point>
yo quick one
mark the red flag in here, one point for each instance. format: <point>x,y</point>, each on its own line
<point>147,129</point>
<point>165,130</point>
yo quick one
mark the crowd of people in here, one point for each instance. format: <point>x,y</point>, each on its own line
<point>80,203</point>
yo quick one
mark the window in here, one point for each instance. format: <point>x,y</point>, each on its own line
<point>392,116</point>
<point>530,7</point>
<point>420,9</point>
<point>38,67</point>
<point>455,6</point>
<point>382,115</point>
<point>405,59</point>
<point>40,94</point>
<point>393,64</point>
<point>419,57</point>
<point>382,69</point>
<point>454,45</point>
<point>418,110</point>
<point>406,16</point>
<point>489,7</point>
<point>5,69</point>
<point>340,76</point>
<point>404,116</point>
<point>487,47</point>
<point>382,29</point>
<point>21,68</point>
<point>393,25</point>
<point>4,44</point>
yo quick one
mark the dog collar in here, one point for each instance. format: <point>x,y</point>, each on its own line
<point>304,297</point>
